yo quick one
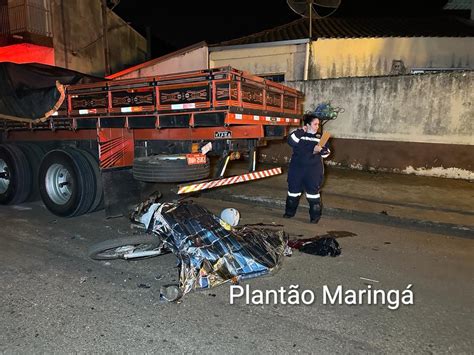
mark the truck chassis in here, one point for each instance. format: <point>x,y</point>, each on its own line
<point>109,138</point>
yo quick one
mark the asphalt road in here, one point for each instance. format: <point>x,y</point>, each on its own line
<point>55,299</point>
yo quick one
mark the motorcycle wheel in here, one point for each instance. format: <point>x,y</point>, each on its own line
<point>117,248</point>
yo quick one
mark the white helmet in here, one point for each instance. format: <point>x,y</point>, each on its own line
<point>230,216</point>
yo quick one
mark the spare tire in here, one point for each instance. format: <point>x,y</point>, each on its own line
<point>169,168</point>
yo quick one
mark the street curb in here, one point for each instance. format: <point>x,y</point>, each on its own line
<point>457,230</point>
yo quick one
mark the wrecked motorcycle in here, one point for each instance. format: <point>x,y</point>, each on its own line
<point>210,251</point>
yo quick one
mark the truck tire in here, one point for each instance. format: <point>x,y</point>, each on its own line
<point>15,175</point>
<point>117,248</point>
<point>98,202</point>
<point>67,185</point>
<point>34,154</point>
<point>168,168</point>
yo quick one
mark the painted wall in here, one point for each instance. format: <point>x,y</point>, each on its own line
<point>78,38</point>
<point>195,59</point>
<point>332,58</point>
<point>422,124</point>
<point>126,46</point>
<point>373,56</point>
<point>286,59</point>
<point>430,108</point>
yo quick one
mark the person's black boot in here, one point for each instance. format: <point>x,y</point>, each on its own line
<point>315,210</point>
<point>291,206</point>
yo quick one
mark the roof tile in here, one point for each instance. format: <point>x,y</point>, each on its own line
<point>356,27</point>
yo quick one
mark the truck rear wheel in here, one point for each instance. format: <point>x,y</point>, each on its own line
<point>15,175</point>
<point>168,168</point>
<point>98,202</point>
<point>34,153</point>
<point>67,183</point>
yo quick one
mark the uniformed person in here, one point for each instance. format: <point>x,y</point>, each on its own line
<point>306,170</point>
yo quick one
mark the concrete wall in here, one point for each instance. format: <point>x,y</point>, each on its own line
<point>421,124</point>
<point>126,46</point>
<point>78,38</point>
<point>334,58</point>
<point>285,59</point>
<point>195,59</point>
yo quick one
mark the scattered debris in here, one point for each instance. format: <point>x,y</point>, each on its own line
<point>211,251</point>
<point>366,279</point>
<point>83,279</point>
<point>143,213</point>
<point>288,251</point>
<point>321,245</point>
<point>170,293</point>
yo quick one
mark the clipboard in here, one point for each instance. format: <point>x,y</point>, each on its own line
<point>324,138</point>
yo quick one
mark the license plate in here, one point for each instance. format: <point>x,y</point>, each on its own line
<point>196,158</point>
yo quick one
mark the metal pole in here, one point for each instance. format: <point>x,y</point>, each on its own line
<point>106,42</point>
<point>310,3</point>
<point>308,45</point>
<point>148,42</point>
<point>65,38</point>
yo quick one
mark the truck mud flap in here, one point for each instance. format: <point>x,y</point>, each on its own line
<point>121,191</point>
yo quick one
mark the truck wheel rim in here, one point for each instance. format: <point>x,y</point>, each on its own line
<point>4,176</point>
<point>58,184</point>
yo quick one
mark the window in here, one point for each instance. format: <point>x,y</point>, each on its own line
<point>278,78</point>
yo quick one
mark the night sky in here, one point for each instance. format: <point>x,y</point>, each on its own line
<point>177,24</point>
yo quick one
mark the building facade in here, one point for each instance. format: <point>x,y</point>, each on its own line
<point>82,35</point>
<point>352,47</point>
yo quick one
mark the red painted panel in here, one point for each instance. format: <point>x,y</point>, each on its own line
<point>116,147</point>
<point>208,133</point>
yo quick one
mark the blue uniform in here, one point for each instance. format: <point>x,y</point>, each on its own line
<point>306,172</point>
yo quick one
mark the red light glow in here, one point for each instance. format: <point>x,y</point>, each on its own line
<point>27,53</point>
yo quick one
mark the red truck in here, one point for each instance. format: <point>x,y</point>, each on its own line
<point>104,140</point>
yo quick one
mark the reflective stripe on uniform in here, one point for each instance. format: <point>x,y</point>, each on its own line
<point>327,154</point>
<point>310,139</point>
<point>295,138</point>
<point>313,196</point>
<point>291,194</point>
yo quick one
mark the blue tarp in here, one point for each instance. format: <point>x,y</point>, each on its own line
<point>210,251</point>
